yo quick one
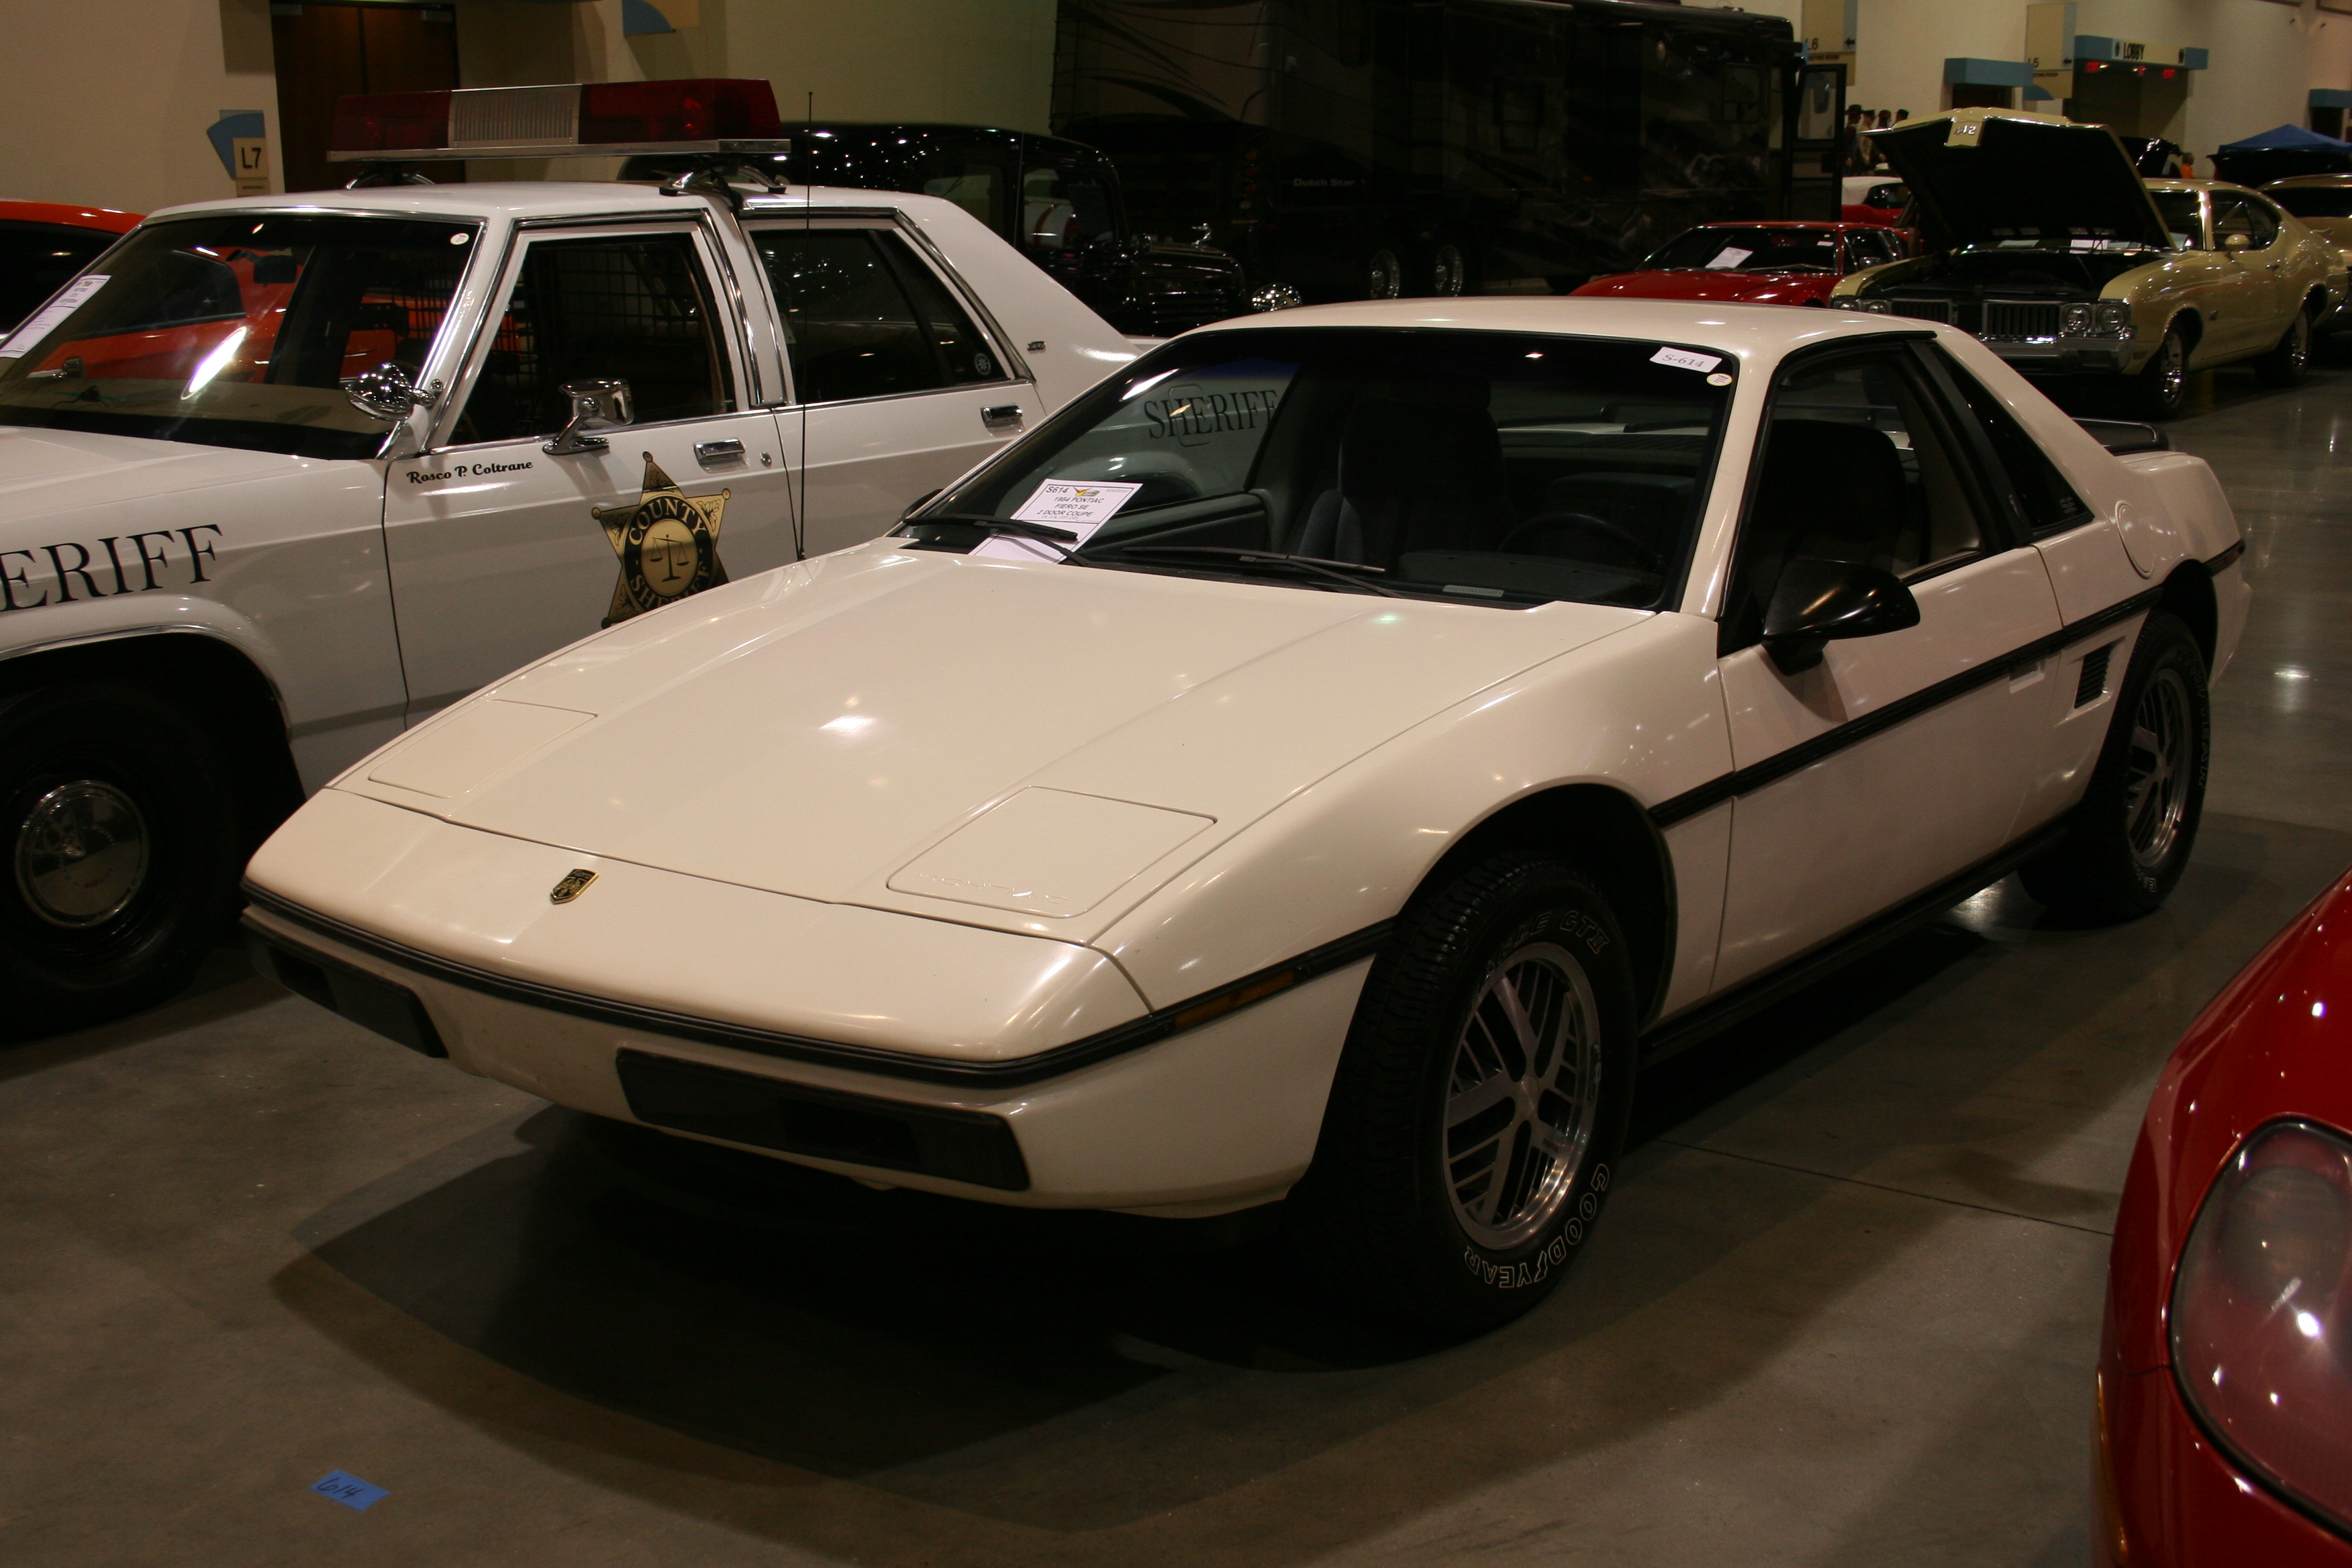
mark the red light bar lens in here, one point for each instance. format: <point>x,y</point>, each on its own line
<point>702,109</point>
<point>622,113</point>
<point>390,121</point>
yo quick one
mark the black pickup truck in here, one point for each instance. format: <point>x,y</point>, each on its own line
<point>1056,200</point>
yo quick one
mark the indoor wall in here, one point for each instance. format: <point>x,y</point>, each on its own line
<point>120,111</point>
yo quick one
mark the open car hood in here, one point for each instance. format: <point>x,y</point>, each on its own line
<point>824,731</point>
<point>1979,176</point>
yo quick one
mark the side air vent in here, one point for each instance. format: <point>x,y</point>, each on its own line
<point>2092,684</point>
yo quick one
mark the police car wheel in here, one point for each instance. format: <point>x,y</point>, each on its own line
<point>1480,1102</point>
<point>2128,841</point>
<point>120,829</point>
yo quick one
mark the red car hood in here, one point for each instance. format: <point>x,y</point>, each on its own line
<point>1739,287</point>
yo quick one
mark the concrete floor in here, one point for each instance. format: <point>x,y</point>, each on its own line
<point>1843,1311</point>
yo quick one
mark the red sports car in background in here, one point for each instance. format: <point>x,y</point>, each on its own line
<point>1874,198</point>
<point>42,244</point>
<point>1757,263</point>
<point>2224,1389</point>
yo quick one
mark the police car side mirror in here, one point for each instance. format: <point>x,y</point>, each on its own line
<point>594,406</point>
<point>386,392</point>
<point>1815,601</point>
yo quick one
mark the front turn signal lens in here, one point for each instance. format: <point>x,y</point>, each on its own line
<point>2262,1315</point>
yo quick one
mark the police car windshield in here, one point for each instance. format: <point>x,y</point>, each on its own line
<point>1496,467</point>
<point>1748,250</point>
<point>233,330</point>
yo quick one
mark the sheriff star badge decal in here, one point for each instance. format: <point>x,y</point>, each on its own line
<point>667,542</point>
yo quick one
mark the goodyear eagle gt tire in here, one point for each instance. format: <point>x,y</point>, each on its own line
<point>1481,1099</point>
<point>2129,839</point>
<point>120,832</point>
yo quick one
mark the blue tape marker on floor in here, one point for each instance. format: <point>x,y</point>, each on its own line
<point>347,1489</point>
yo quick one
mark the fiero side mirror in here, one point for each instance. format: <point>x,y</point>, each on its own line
<point>1818,600</point>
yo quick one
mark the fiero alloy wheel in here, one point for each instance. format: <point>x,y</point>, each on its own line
<point>2162,385</point>
<point>120,827</point>
<point>1481,1099</point>
<point>2284,365</point>
<point>1383,275</point>
<point>2127,842</point>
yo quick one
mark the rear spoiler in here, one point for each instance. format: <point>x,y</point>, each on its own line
<point>2124,436</point>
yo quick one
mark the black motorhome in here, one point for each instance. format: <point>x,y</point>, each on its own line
<point>1059,201</point>
<point>1381,147</point>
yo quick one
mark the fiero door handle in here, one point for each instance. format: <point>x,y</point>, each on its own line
<point>1002,416</point>
<point>711,453</point>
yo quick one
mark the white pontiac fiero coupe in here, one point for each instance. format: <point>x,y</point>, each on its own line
<point>1411,718</point>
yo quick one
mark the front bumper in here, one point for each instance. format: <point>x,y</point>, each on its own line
<point>917,1052</point>
<point>2179,1502</point>
<point>2064,356</point>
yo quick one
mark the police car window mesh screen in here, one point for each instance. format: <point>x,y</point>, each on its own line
<point>849,326</point>
<point>633,308</point>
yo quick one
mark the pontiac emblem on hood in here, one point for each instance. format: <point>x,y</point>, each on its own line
<point>575,882</point>
<point>667,542</point>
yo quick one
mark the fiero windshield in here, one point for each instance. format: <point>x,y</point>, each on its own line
<point>233,330</point>
<point>1485,467</point>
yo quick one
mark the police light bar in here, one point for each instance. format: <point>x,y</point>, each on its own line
<point>707,114</point>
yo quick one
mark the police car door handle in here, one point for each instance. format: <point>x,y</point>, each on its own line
<point>711,454</point>
<point>1002,416</point>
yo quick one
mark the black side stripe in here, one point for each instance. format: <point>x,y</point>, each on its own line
<point>1804,754</point>
<point>1134,1034</point>
<point>2227,559</point>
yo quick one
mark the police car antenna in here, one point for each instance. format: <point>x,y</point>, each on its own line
<point>800,513</point>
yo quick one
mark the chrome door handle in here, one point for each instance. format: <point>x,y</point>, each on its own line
<point>1002,416</point>
<point>708,453</point>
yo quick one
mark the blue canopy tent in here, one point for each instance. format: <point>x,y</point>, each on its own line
<point>2281,150</point>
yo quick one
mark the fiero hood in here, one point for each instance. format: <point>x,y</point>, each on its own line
<point>1980,176</point>
<point>1030,747</point>
<point>1736,287</point>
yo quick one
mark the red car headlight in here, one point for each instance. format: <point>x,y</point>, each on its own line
<point>2262,1315</point>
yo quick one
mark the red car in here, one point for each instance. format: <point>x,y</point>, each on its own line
<point>1757,263</point>
<point>2224,1389</point>
<point>1874,198</point>
<point>42,244</point>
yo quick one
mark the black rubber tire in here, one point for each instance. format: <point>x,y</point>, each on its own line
<point>1373,1215</point>
<point>2287,360</point>
<point>2091,875</point>
<point>174,772</point>
<point>2154,393</point>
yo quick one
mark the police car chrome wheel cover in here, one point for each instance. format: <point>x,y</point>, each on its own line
<point>81,854</point>
<point>1522,1094</point>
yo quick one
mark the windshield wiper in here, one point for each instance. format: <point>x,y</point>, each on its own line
<point>1045,533</point>
<point>1353,573</point>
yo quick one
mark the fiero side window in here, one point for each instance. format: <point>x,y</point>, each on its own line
<point>635,308</point>
<point>1855,468</point>
<point>865,318</point>
<point>2048,502</point>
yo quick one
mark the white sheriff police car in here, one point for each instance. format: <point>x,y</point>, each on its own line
<point>1399,723</point>
<point>280,476</point>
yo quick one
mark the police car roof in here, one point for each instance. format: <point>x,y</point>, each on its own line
<point>521,200</point>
